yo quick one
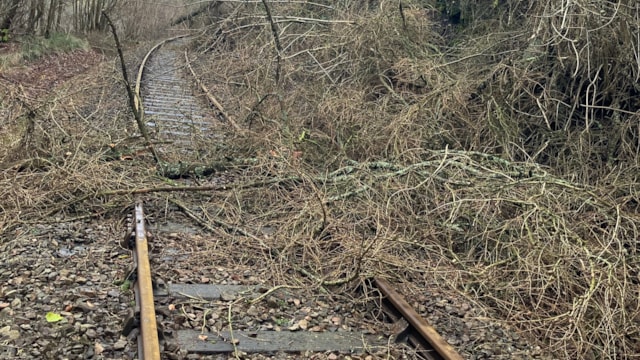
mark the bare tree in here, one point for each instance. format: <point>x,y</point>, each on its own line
<point>53,5</point>
<point>11,14</point>
<point>61,4</point>
<point>36,10</point>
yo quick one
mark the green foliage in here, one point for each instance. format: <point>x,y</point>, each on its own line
<point>281,321</point>
<point>36,47</point>
<point>126,285</point>
<point>53,317</point>
<point>4,35</point>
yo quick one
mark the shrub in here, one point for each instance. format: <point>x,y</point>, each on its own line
<point>36,47</point>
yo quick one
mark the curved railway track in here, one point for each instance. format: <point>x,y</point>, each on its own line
<point>180,123</point>
<point>176,118</point>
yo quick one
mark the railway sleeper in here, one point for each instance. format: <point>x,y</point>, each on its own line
<point>141,322</point>
<point>265,341</point>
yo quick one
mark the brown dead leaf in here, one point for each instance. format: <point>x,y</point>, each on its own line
<point>98,348</point>
<point>317,328</point>
<point>304,324</point>
<point>8,333</point>
<point>84,306</point>
<point>203,337</point>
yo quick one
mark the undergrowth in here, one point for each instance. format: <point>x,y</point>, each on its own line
<point>36,47</point>
<point>497,158</point>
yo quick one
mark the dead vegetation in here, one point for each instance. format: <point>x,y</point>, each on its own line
<point>497,158</point>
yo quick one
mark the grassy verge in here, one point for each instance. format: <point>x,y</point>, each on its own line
<point>35,47</point>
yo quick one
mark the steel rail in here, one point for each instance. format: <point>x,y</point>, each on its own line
<point>148,342</point>
<point>420,334</point>
<point>426,331</point>
<point>138,97</point>
<point>423,335</point>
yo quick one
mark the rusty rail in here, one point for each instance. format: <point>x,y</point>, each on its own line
<point>418,333</point>
<point>138,97</point>
<point>148,343</point>
<point>433,346</point>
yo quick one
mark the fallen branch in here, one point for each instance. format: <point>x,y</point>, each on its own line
<point>233,341</point>
<point>276,38</point>
<point>273,1</point>
<point>160,189</point>
<point>322,282</point>
<point>183,170</point>
<point>206,225</point>
<point>272,290</point>
<point>211,98</point>
<point>312,20</point>
<point>445,170</point>
<point>137,112</point>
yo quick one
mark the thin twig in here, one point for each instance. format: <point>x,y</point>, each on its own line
<point>276,38</point>
<point>233,340</point>
<point>210,96</point>
<point>228,227</point>
<point>275,288</point>
<point>132,97</point>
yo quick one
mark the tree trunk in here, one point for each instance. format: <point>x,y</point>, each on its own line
<point>59,14</point>
<point>35,14</point>
<point>96,14</point>
<point>8,20</point>
<point>53,5</point>
<point>32,15</point>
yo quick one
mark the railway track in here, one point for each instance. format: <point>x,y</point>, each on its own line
<point>181,122</point>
